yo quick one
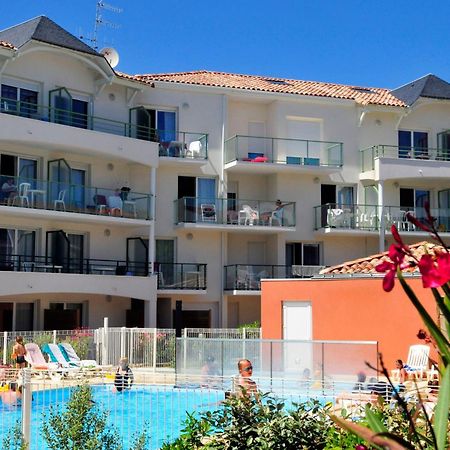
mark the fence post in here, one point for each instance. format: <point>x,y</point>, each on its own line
<point>5,346</point>
<point>122,342</point>
<point>131,345</point>
<point>244,337</point>
<point>105,352</point>
<point>54,337</point>
<point>155,348</point>
<point>26,405</point>
<point>184,349</point>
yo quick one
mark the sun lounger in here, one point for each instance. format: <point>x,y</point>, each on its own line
<point>39,365</point>
<point>56,356</point>
<point>71,356</point>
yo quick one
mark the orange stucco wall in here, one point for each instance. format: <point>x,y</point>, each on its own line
<point>350,309</point>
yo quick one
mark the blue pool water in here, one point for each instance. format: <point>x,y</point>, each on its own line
<point>158,410</point>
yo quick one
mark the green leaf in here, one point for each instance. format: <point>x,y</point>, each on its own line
<point>443,304</point>
<point>440,339</point>
<point>374,421</point>
<point>441,411</point>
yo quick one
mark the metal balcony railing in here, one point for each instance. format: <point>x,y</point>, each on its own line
<point>283,151</point>
<point>368,155</point>
<point>61,196</point>
<point>213,211</point>
<point>181,275</point>
<point>248,277</point>
<point>176,144</point>
<point>367,217</point>
<point>49,264</point>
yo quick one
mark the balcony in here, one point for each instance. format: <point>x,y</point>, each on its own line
<point>181,276</point>
<point>364,220</point>
<point>244,277</point>
<point>181,147</point>
<point>48,127</point>
<point>60,265</point>
<point>234,214</point>
<point>272,155</point>
<point>23,195</point>
<point>384,162</point>
<point>26,274</point>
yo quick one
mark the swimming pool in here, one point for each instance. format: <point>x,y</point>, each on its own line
<point>160,410</point>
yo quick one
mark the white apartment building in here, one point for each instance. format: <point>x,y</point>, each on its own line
<point>133,192</point>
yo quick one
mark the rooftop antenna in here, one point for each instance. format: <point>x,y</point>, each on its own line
<point>100,21</point>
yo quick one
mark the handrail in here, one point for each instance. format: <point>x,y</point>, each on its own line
<point>68,117</point>
<point>369,154</point>
<point>93,266</point>
<point>283,151</point>
<point>181,275</point>
<point>77,198</point>
<point>225,211</point>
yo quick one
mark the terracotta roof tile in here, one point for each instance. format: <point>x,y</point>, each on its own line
<point>368,264</point>
<point>361,95</point>
<point>6,44</point>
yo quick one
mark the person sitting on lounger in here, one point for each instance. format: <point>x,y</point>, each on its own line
<point>124,378</point>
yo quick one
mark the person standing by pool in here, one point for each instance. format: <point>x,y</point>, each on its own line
<point>124,377</point>
<point>18,353</point>
<point>243,385</point>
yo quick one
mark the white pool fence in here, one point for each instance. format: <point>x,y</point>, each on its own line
<point>157,402</point>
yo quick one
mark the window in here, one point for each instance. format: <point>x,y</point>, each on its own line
<point>302,254</point>
<point>414,200</point>
<point>68,108</point>
<point>412,144</point>
<point>154,125</point>
<point>11,95</point>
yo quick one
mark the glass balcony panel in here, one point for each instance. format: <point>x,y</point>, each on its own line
<point>234,212</point>
<point>181,275</point>
<point>66,111</point>
<point>247,277</point>
<point>283,151</point>
<point>91,266</point>
<point>65,196</point>
<point>368,155</point>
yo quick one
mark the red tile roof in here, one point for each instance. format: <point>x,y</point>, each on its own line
<point>361,95</point>
<point>368,264</point>
<point>6,44</point>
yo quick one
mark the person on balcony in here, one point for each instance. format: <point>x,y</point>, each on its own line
<point>9,190</point>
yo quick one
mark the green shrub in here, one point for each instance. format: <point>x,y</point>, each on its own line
<point>14,439</point>
<point>82,425</point>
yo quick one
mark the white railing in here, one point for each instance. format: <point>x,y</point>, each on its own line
<point>144,347</point>
<point>158,403</point>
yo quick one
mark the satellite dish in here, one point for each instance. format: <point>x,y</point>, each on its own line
<point>110,55</point>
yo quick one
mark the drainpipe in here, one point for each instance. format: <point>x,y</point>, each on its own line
<point>151,237</point>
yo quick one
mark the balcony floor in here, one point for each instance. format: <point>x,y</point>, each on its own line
<point>63,216</point>
<point>205,226</point>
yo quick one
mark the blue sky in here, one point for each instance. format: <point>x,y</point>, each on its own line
<point>383,43</point>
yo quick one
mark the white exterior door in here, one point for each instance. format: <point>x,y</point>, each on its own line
<point>297,326</point>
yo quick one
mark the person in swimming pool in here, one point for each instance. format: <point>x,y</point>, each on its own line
<point>244,386</point>
<point>124,378</point>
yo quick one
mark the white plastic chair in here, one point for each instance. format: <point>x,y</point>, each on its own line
<point>248,215</point>
<point>22,196</point>
<point>194,149</point>
<point>60,200</point>
<point>417,363</point>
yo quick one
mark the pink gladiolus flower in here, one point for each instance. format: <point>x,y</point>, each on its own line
<point>435,274</point>
<point>396,254</point>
